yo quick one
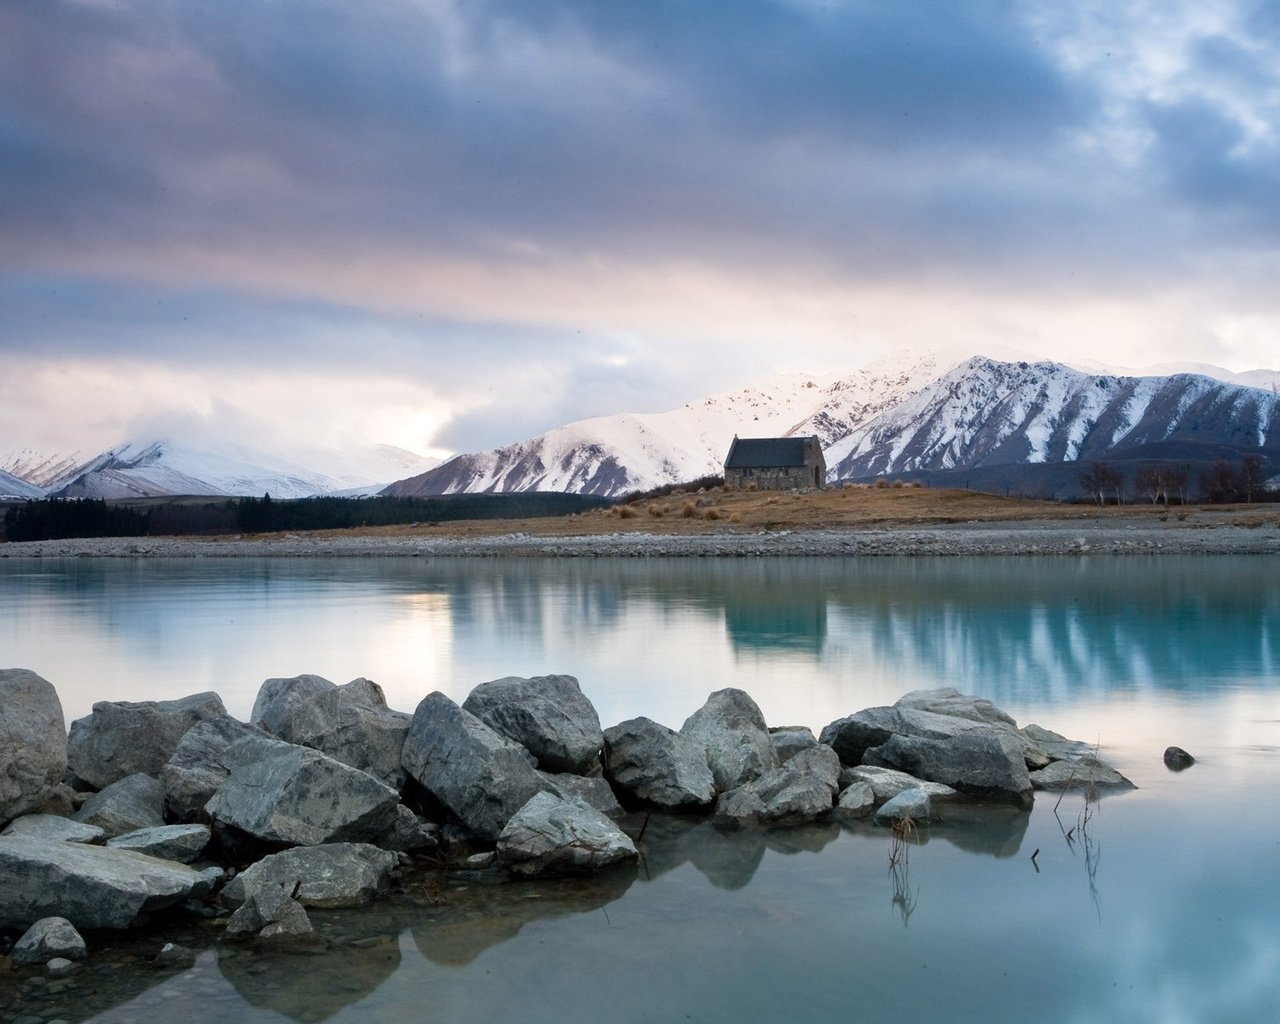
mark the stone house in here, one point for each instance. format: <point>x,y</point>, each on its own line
<point>775,463</point>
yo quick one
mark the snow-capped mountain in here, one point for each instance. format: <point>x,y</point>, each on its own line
<point>158,468</point>
<point>902,413</point>
<point>12,487</point>
<point>985,412</point>
<point>611,455</point>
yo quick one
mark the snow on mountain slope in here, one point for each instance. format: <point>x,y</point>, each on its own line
<point>45,470</point>
<point>611,455</point>
<point>12,487</point>
<point>1268,380</point>
<point>986,412</point>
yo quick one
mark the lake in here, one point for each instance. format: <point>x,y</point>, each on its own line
<point>1155,905</point>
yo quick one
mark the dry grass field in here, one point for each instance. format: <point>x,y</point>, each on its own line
<point>859,507</point>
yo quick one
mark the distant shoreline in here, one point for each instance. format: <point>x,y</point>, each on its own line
<point>1022,538</point>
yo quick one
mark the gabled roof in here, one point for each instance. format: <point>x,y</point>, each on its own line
<point>765,452</point>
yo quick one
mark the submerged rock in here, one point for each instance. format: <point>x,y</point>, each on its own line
<point>1176,759</point>
<point>33,737</point>
<point>732,730</point>
<point>91,886</point>
<point>657,766</point>
<point>332,875</point>
<point>552,836</point>
<point>547,715</point>
<point>122,738</point>
<point>48,938</point>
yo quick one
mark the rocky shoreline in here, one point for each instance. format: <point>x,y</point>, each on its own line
<point>326,798</point>
<point>1195,534</point>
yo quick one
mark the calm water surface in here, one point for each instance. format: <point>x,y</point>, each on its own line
<point>1163,907</point>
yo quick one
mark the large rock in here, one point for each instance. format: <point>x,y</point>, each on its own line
<point>53,828</point>
<point>48,938</point>
<point>350,723</point>
<point>801,790</point>
<point>33,742</point>
<point>886,783</point>
<point>183,843</point>
<point>730,727</point>
<point>482,777</point>
<point>789,740</point>
<point>333,875</point>
<point>131,803</point>
<point>547,715</point>
<point>951,702</point>
<point>271,915</point>
<point>911,805</point>
<point>122,738</point>
<point>985,763</point>
<point>852,736</point>
<point>657,766</point>
<point>594,791</point>
<point>91,886</point>
<point>198,765</point>
<point>551,836</point>
<point>282,793</point>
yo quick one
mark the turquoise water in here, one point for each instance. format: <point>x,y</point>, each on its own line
<point>1160,906</point>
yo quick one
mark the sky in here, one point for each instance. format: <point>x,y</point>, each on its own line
<point>450,225</point>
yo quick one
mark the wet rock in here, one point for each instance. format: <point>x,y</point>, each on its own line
<point>730,727</point>
<point>333,875</point>
<point>1176,759</point>
<point>48,938</point>
<point>91,886</point>
<point>910,805</point>
<point>857,801</point>
<point>174,955</point>
<point>654,765</point>
<point>789,740</point>
<point>122,738</point>
<point>983,763</point>
<point>128,804</point>
<point>60,967</point>
<point>479,775</point>
<point>54,828</point>
<point>351,723</point>
<point>1087,773</point>
<point>196,769</point>
<point>886,783</point>
<point>551,836</point>
<point>183,843</point>
<point>270,914</point>
<point>547,715</point>
<point>282,793</point>
<point>33,737</point>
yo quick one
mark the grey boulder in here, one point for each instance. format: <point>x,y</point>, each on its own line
<point>552,836</point>
<point>595,791</point>
<point>351,723</point>
<point>198,764</point>
<point>1087,773</point>
<point>283,793</point>
<point>333,875</point>
<point>911,805</point>
<point>547,715</point>
<point>983,763</point>
<point>183,843</point>
<point>886,783</point>
<point>801,790</point>
<point>951,702</point>
<point>33,738</point>
<point>128,804</point>
<point>657,766</point>
<point>122,738</point>
<point>856,801</point>
<point>789,740</point>
<point>732,731</point>
<point>1176,759</point>
<point>54,828</point>
<point>482,777</point>
<point>270,914</point>
<point>48,938</point>
<point>91,886</point>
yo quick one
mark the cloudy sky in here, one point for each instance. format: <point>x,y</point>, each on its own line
<point>448,225</point>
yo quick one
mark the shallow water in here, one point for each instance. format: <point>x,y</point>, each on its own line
<point>1160,906</point>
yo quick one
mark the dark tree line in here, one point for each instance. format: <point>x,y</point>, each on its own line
<point>58,518</point>
<point>1221,483</point>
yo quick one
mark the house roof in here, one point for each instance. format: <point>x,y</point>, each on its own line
<point>765,452</point>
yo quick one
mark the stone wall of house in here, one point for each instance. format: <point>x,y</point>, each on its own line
<point>775,478</point>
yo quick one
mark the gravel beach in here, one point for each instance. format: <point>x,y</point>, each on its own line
<point>1201,533</point>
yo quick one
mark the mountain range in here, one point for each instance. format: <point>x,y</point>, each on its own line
<point>982,422</point>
